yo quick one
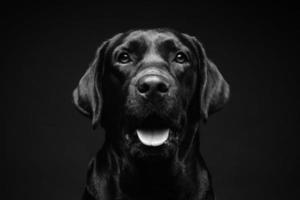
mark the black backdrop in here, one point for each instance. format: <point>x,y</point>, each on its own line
<point>250,147</point>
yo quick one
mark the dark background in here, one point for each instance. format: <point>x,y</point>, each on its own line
<point>250,147</point>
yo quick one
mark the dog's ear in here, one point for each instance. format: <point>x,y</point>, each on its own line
<point>214,90</point>
<point>87,97</point>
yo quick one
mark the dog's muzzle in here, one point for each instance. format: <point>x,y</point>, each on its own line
<point>153,82</point>
<point>153,86</point>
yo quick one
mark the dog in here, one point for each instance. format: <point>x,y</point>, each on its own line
<point>150,90</point>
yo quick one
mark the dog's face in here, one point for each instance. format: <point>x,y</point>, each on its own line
<point>149,86</point>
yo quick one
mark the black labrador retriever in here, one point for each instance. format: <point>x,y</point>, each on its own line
<point>150,90</point>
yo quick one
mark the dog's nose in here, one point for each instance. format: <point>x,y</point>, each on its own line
<point>152,85</point>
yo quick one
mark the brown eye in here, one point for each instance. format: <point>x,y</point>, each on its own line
<point>124,58</point>
<point>180,58</point>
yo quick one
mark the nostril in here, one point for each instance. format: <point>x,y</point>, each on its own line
<point>143,88</point>
<point>162,88</point>
<point>152,85</point>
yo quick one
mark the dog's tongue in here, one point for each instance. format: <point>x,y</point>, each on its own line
<point>153,137</point>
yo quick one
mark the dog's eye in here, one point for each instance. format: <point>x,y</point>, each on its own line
<point>124,58</point>
<point>180,58</point>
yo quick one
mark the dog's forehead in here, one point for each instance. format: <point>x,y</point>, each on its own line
<point>152,37</point>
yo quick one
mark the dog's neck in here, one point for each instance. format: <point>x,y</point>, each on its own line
<point>154,179</point>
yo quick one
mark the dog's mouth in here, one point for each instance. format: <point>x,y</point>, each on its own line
<point>153,137</point>
<point>152,131</point>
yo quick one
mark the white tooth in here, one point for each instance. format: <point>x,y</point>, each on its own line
<point>153,138</point>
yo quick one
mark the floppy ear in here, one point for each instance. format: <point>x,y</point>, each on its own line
<point>214,90</point>
<point>87,97</point>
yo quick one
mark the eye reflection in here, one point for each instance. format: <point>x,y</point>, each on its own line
<point>180,58</point>
<point>124,58</point>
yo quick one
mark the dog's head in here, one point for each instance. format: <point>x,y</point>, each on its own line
<point>148,87</point>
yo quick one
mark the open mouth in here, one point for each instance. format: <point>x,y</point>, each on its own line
<point>153,137</point>
<point>152,133</point>
<point>153,130</point>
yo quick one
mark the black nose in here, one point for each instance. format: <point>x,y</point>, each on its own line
<point>152,85</point>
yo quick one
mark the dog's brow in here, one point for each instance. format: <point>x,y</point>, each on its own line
<point>135,45</point>
<point>169,45</point>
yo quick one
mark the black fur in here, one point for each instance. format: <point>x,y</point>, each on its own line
<point>124,168</point>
